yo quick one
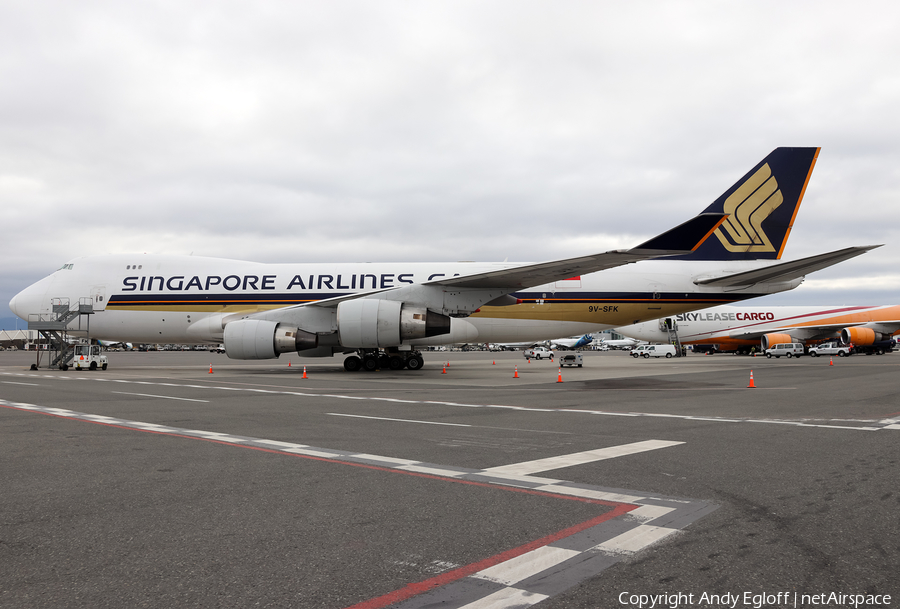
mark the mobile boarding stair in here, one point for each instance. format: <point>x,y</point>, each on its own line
<point>670,327</point>
<point>54,327</point>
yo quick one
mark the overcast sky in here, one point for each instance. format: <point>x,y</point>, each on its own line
<point>434,131</point>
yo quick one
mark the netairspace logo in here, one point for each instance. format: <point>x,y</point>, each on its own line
<point>756,600</point>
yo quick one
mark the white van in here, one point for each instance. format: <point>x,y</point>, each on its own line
<point>785,349</point>
<point>649,351</point>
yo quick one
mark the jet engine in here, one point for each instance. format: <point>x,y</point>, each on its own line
<point>263,339</point>
<point>862,336</point>
<point>773,339</point>
<point>369,324</point>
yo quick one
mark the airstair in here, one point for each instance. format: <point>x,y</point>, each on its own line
<point>55,326</point>
<point>670,327</point>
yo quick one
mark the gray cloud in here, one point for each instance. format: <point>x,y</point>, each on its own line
<point>436,131</point>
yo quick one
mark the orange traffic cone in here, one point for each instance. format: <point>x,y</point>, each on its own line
<point>559,378</point>
<point>289,364</point>
<point>516,375</point>
<point>831,362</point>
<point>493,362</point>
<point>210,369</point>
<point>304,372</point>
<point>444,369</point>
<point>751,385</point>
<point>448,363</point>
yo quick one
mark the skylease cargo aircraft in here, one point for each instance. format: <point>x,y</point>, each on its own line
<point>741,328</point>
<point>379,314</point>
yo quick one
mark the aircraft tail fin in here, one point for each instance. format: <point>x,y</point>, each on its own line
<point>761,208</point>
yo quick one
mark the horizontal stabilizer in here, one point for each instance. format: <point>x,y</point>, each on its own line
<point>786,271</point>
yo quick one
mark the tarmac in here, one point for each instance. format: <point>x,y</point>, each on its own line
<point>189,479</point>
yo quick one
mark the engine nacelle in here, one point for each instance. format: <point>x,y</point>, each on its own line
<point>862,336</point>
<point>776,338</point>
<point>263,339</point>
<point>369,323</point>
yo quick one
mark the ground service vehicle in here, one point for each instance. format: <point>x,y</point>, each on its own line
<point>538,353</point>
<point>830,348</point>
<point>571,359</point>
<point>89,356</point>
<point>785,349</point>
<point>649,351</point>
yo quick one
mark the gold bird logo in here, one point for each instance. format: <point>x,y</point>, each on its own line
<point>747,208</point>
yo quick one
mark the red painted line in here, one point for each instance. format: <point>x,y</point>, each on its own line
<point>417,588</point>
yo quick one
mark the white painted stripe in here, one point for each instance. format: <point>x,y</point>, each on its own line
<point>508,598</point>
<point>589,494</point>
<point>15,383</point>
<point>498,406</point>
<point>309,452</point>
<point>589,456</point>
<point>434,471</point>
<point>359,416</point>
<point>526,479</point>
<point>892,427</point>
<point>165,397</point>
<point>281,444</point>
<point>393,460</point>
<point>636,539</point>
<point>646,513</point>
<point>524,566</point>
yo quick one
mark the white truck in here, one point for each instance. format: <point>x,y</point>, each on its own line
<point>89,356</point>
<point>538,353</point>
<point>648,351</point>
<point>830,348</point>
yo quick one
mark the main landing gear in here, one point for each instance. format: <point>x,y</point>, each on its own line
<point>374,359</point>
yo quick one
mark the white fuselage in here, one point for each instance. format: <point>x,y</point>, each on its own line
<point>737,326</point>
<point>185,299</point>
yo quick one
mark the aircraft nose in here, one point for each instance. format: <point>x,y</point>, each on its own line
<point>29,300</point>
<point>12,305</point>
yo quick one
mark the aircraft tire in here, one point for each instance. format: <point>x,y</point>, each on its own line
<point>352,364</point>
<point>370,363</point>
<point>34,366</point>
<point>415,362</point>
<point>395,362</point>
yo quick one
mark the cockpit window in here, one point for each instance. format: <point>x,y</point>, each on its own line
<point>68,267</point>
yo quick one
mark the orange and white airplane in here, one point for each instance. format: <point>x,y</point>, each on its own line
<point>731,328</point>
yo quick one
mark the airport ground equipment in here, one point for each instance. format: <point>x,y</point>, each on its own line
<point>53,326</point>
<point>571,359</point>
<point>830,348</point>
<point>89,356</point>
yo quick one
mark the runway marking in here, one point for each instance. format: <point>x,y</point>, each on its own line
<point>517,577</point>
<point>15,383</point>
<point>359,416</point>
<point>588,456</point>
<point>165,397</point>
<point>606,413</point>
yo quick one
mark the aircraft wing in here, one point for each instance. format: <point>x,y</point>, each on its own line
<point>786,271</point>
<point>679,240</point>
